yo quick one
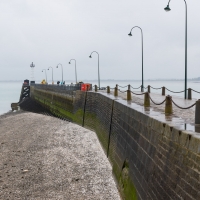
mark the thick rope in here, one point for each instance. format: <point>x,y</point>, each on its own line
<point>122,86</point>
<point>175,92</point>
<point>156,88</point>
<point>195,91</point>
<point>183,107</point>
<point>135,88</point>
<point>155,102</point>
<point>138,94</point>
<point>122,91</point>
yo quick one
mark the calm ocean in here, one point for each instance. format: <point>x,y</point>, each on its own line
<point>10,91</point>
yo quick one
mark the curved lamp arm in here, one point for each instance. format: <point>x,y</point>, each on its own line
<point>45,74</point>
<point>75,68</point>
<point>98,66</point>
<point>52,73</point>
<point>62,70</point>
<point>168,9</point>
<point>130,34</point>
<point>92,53</point>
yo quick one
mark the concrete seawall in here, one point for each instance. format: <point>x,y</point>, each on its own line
<point>150,159</point>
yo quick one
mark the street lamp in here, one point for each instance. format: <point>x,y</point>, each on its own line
<point>168,9</point>
<point>98,66</point>
<point>130,34</point>
<point>45,74</point>
<point>62,70</point>
<point>52,74</point>
<point>75,68</point>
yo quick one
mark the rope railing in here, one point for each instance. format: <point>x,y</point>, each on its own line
<point>122,86</point>
<point>163,92</point>
<point>195,91</point>
<point>135,88</point>
<point>168,101</point>
<point>183,107</point>
<point>175,92</point>
<point>155,102</point>
<point>155,88</point>
<point>137,93</point>
<point>122,91</point>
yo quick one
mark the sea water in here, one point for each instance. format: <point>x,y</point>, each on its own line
<point>10,91</point>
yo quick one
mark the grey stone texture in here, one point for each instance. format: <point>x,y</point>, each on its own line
<point>43,157</point>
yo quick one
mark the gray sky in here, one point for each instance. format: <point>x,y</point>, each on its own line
<point>49,32</point>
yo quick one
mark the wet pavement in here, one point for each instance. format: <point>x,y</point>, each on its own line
<point>183,119</point>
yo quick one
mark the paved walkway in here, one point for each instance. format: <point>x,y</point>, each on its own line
<point>43,157</point>
<point>184,119</point>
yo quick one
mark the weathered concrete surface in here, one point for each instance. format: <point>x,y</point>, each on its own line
<point>42,157</point>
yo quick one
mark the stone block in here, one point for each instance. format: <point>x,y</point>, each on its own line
<point>194,143</point>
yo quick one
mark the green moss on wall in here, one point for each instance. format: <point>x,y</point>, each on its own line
<point>65,108</point>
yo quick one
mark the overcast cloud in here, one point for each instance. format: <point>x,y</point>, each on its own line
<point>49,32</point>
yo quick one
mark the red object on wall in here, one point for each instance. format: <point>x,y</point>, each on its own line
<point>84,86</point>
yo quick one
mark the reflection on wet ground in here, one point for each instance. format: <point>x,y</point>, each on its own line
<point>181,119</point>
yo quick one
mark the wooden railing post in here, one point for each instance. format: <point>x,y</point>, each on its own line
<point>197,112</point>
<point>163,91</point>
<point>146,100</point>
<point>108,89</point>
<point>189,93</point>
<point>149,89</point>
<point>168,105</point>
<point>129,93</point>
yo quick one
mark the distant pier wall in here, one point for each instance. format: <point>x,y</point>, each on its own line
<point>150,160</point>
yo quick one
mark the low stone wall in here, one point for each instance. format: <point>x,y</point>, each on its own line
<point>150,159</point>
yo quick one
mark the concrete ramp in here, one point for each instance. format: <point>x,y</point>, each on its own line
<point>43,157</point>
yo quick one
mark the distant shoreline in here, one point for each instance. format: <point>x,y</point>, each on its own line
<point>111,80</point>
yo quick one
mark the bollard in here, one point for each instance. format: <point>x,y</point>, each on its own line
<point>197,112</point>
<point>168,105</point>
<point>149,89</point>
<point>117,86</point>
<point>146,100</point>
<point>95,88</point>
<point>116,92</point>
<point>129,93</point>
<point>189,93</point>
<point>108,89</point>
<point>163,91</point>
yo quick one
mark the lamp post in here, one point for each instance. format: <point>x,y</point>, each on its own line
<point>52,74</point>
<point>168,9</point>
<point>45,74</point>
<point>75,68</point>
<point>62,70</point>
<point>130,34</point>
<point>98,66</point>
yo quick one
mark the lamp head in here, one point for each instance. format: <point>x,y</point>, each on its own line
<point>167,9</point>
<point>69,63</point>
<point>42,70</point>
<point>90,56</point>
<point>130,34</point>
<point>57,66</point>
